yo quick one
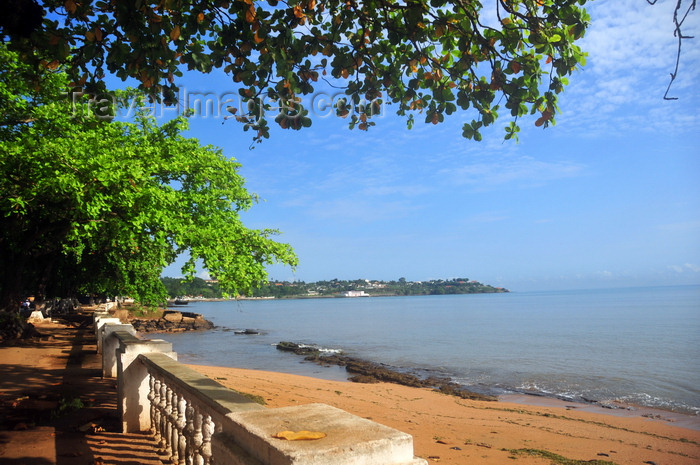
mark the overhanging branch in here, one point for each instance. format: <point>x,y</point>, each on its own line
<point>677,33</point>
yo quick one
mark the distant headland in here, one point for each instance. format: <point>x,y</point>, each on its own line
<point>209,289</point>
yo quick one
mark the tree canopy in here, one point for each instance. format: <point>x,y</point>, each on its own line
<point>177,287</point>
<point>93,206</point>
<point>428,59</point>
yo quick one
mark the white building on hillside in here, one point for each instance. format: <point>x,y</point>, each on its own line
<point>355,294</point>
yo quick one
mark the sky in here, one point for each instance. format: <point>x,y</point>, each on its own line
<point>609,197</point>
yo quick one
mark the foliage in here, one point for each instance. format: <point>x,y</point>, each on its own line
<point>334,287</point>
<point>66,405</point>
<point>556,459</point>
<point>91,206</point>
<point>12,325</point>
<point>281,289</point>
<point>196,287</point>
<point>252,397</point>
<point>428,59</point>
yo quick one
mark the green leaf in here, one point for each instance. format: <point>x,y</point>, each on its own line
<point>283,49</point>
<point>116,202</point>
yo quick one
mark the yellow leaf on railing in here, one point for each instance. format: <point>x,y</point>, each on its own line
<point>299,435</point>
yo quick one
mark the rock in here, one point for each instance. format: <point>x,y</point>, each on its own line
<point>172,316</point>
<point>364,379</point>
<point>297,348</point>
<point>172,321</point>
<point>201,323</point>
<point>122,314</point>
<point>57,307</point>
<point>36,317</point>
<point>370,372</point>
<point>248,332</point>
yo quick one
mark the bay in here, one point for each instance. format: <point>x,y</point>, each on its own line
<point>634,345</point>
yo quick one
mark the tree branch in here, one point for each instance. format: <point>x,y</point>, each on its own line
<point>677,33</point>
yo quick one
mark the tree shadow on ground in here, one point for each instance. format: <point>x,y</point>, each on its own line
<point>56,409</point>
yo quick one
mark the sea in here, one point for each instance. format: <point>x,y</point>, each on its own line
<point>631,346</point>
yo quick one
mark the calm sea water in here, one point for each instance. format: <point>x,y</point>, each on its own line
<point>634,345</point>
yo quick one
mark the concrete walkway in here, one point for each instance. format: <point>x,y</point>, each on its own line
<point>55,408</point>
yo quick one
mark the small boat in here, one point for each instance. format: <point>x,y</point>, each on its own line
<point>180,301</point>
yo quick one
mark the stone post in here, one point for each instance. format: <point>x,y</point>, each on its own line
<point>96,316</point>
<point>110,344</point>
<point>100,321</point>
<point>132,380</point>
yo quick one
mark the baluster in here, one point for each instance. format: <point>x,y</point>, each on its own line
<point>169,423</point>
<point>165,424</point>
<point>207,431</point>
<point>151,401</point>
<point>181,423</point>
<point>174,428</point>
<point>189,434</point>
<point>156,409</point>
<point>198,459</point>
<point>163,408</point>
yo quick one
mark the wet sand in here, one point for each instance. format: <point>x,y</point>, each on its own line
<point>519,429</point>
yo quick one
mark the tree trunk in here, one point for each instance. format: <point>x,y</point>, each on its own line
<point>11,286</point>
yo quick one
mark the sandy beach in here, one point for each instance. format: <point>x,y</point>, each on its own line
<point>450,430</point>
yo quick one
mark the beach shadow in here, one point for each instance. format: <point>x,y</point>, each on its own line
<point>19,380</point>
<point>105,448</point>
<point>58,410</point>
<point>27,461</point>
<point>5,441</point>
<point>93,431</point>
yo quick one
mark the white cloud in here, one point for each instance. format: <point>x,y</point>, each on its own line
<point>372,175</point>
<point>402,190</point>
<point>632,50</point>
<point>487,217</point>
<point>685,226</point>
<point>204,274</point>
<point>688,267</point>
<point>522,171</point>
<point>630,35</point>
<point>359,210</point>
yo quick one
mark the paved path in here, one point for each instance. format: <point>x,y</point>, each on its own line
<point>55,408</point>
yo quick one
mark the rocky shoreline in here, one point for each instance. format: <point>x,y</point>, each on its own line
<point>172,321</point>
<point>364,371</point>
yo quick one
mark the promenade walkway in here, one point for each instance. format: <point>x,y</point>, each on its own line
<point>55,408</point>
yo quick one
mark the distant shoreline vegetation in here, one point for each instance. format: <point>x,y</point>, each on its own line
<point>209,289</point>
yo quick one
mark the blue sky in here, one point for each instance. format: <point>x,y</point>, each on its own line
<point>610,196</point>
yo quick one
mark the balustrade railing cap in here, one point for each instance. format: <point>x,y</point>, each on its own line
<point>198,387</point>
<point>128,337</point>
<point>348,437</point>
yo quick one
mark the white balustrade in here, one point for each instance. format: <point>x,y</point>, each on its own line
<point>186,409</point>
<point>197,421</point>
